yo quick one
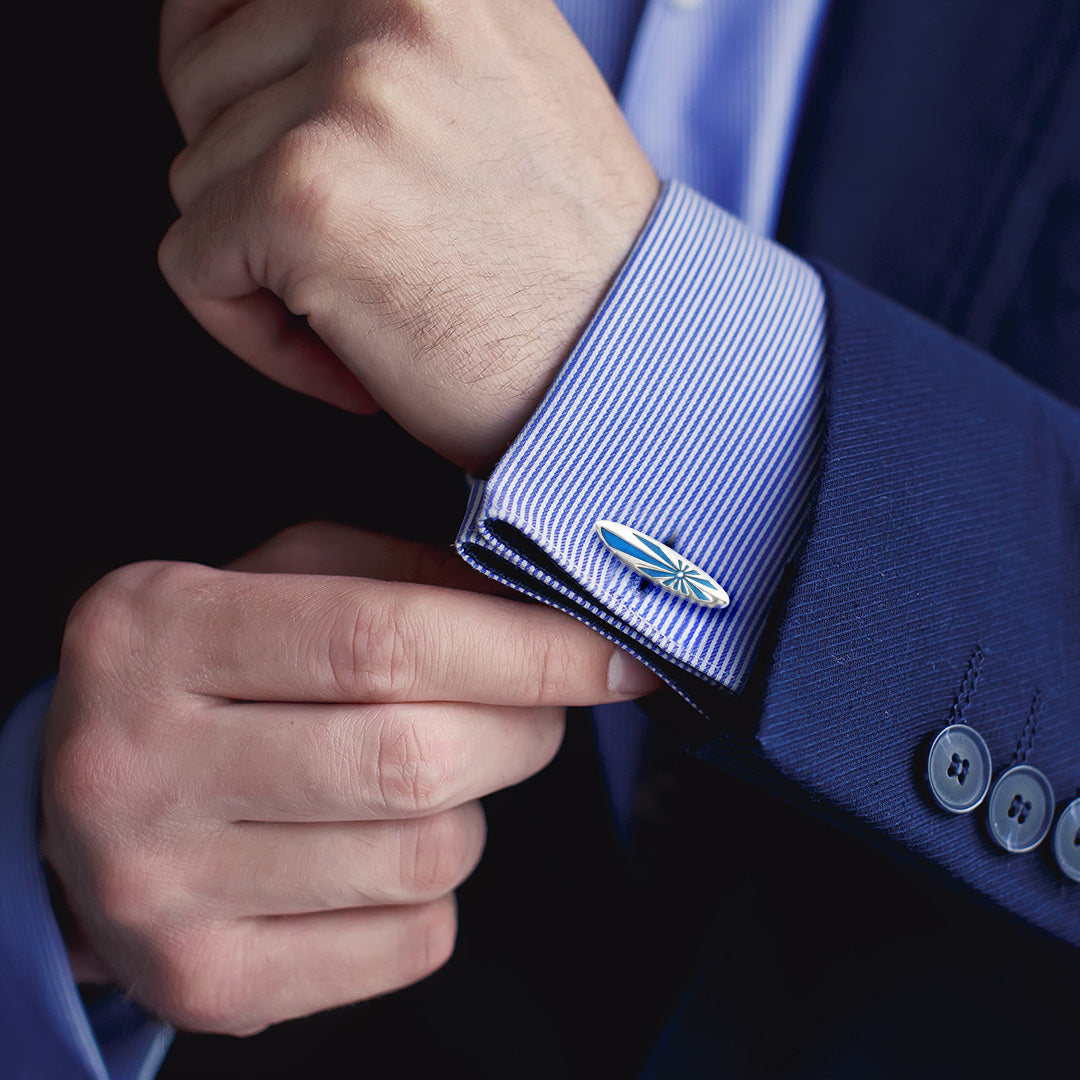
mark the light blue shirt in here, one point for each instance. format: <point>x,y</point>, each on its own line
<point>690,409</point>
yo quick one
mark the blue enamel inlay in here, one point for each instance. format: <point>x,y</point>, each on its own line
<point>627,548</point>
<point>652,546</point>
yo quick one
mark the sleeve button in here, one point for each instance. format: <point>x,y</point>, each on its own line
<point>1067,841</point>
<point>1021,808</point>
<point>959,769</point>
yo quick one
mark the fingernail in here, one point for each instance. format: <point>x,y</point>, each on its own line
<point>626,676</point>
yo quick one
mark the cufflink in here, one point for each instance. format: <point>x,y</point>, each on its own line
<point>661,565</point>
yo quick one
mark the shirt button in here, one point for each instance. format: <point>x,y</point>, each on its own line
<point>1067,841</point>
<point>1021,808</point>
<point>958,769</point>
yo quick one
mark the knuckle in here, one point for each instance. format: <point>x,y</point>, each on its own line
<point>297,179</point>
<point>81,787</point>
<point>126,894</point>
<point>181,179</point>
<point>174,64</point>
<point>549,728</point>
<point>431,944</point>
<point>125,621</point>
<point>103,619</point>
<point>358,84</point>
<point>414,768</point>
<point>201,988</point>
<point>436,855</point>
<point>552,661</point>
<point>183,78</point>
<point>90,780</point>
<point>116,662</point>
<point>170,254</point>
<point>382,49</point>
<point>369,654</point>
<point>161,584</point>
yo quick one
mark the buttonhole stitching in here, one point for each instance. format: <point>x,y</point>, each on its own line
<point>1026,742</point>
<point>967,685</point>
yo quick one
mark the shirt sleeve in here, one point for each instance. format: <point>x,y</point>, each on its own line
<point>47,1031</point>
<point>690,410</point>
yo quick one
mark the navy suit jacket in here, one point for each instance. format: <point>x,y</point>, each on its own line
<point>795,905</point>
<point>941,168</point>
<point>938,165</point>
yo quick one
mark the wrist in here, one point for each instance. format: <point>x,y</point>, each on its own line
<point>503,399</point>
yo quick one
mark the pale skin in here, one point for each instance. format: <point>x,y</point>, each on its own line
<point>260,784</point>
<point>443,190</point>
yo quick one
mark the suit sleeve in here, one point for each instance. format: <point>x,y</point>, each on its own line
<point>920,501</point>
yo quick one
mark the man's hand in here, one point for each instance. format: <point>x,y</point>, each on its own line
<point>260,788</point>
<point>444,190</point>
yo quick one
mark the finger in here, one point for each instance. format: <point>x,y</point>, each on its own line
<point>207,263</point>
<point>312,962</point>
<point>242,133</point>
<point>273,637</point>
<point>327,547</point>
<point>182,21</point>
<point>285,869</point>
<point>247,976</point>
<point>259,329</point>
<point>298,763</point>
<point>259,44</point>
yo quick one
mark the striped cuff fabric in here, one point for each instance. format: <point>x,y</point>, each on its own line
<point>690,410</point>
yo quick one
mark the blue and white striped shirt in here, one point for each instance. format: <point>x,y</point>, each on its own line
<point>691,407</point>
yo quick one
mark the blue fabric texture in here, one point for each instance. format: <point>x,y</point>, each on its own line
<point>713,95</point>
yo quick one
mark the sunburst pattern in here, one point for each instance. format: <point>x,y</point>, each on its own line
<point>661,565</point>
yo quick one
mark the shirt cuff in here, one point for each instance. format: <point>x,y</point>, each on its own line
<point>690,410</point>
<point>51,1034</point>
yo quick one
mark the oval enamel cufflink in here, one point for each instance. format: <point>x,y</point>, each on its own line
<point>661,565</point>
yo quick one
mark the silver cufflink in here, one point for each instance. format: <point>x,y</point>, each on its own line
<point>661,565</point>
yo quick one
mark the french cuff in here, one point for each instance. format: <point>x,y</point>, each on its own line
<point>690,411</point>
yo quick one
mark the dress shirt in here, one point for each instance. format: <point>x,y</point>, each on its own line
<point>690,409</point>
